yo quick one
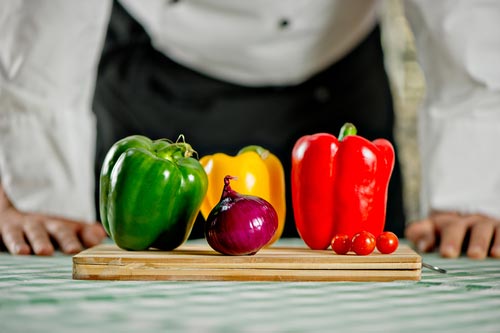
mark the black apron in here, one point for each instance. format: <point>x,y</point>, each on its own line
<point>141,91</point>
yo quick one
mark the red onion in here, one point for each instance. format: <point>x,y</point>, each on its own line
<point>240,224</point>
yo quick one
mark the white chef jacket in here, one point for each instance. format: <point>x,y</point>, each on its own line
<point>458,46</point>
<point>49,51</point>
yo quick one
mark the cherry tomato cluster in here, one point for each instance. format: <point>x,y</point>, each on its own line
<point>363,243</point>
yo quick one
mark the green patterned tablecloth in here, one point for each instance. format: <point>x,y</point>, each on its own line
<point>38,294</point>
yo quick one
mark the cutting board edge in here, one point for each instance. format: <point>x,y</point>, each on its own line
<point>107,262</point>
<point>86,273</point>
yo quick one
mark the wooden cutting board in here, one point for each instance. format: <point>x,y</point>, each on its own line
<point>277,263</point>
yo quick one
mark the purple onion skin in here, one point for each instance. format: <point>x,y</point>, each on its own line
<point>240,224</point>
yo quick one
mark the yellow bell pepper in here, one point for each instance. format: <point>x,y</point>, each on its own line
<point>258,172</point>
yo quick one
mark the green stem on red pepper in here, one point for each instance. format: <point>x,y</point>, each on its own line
<point>347,129</point>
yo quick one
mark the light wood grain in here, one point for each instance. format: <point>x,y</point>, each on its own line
<point>201,263</point>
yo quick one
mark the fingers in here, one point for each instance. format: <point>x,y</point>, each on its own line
<point>482,232</point>
<point>65,234</point>
<point>38,237</point>
<point>495,248</point>
<point>422,233</point>
<point>453,230</point>
<point>24,233</point>
<point>87,234</point>
<point>13,239</point>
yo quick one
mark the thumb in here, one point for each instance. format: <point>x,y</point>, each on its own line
<point>422,234</point>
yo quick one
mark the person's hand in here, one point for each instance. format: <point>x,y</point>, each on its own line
<point>26,233</point>
<point>451,229</point>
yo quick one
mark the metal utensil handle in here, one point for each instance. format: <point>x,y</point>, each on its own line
<point>434,268</point>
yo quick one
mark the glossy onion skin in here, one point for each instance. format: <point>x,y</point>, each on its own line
<point>240,224</point>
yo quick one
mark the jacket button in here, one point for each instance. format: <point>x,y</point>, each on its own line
<point>284,23</point>
<point>322,94</point>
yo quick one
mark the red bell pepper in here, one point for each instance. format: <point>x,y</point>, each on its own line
<point>339,185</point>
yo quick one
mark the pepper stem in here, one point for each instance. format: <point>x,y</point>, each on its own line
<point>347,129</point>
<point>263,153</point>
<point>173,150</point>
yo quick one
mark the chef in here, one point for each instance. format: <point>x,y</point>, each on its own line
<point>77,76</point>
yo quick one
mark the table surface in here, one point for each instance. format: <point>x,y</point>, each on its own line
<point>38,294</point>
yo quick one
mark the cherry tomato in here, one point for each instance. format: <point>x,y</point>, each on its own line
<point>363,243</point>
<point>387,242</point>
<point>341,244</point>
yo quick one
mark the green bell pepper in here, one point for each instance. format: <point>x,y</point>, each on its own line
<point>150,193</point>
